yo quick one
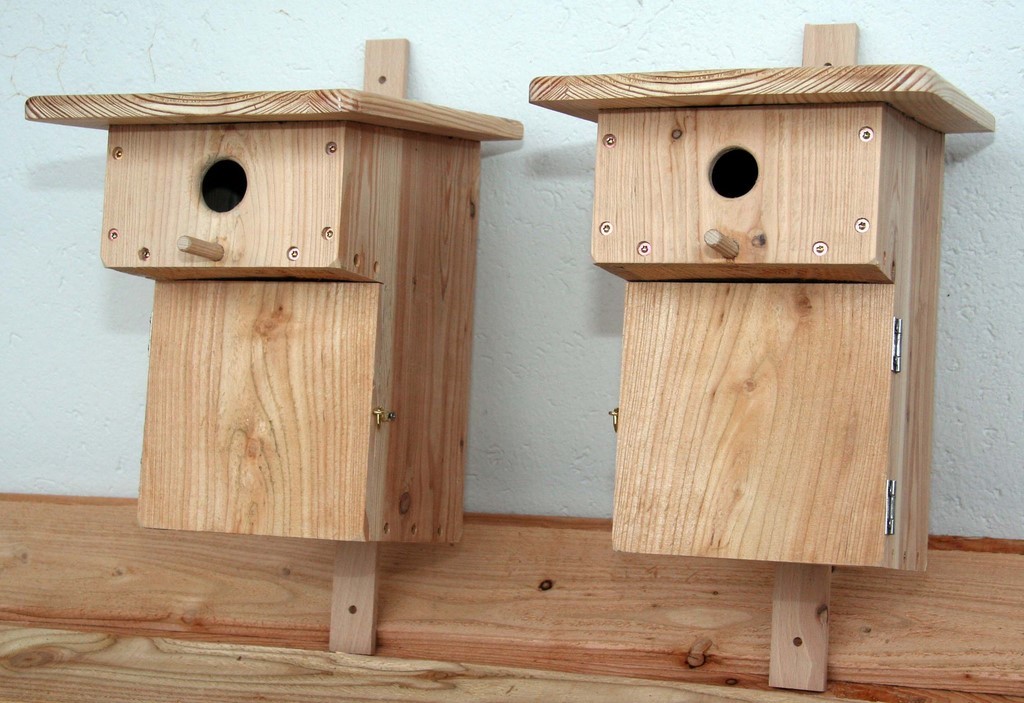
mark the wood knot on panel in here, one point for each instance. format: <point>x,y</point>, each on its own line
<point>697,655</point>
<point>269,326</point>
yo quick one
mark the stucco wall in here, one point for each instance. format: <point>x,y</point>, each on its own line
<point>73,336</point>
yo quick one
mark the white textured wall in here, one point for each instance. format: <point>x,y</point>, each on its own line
<point>73,336</point>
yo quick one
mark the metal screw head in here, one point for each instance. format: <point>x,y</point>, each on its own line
<point>113,234</point>
<point>327,233</point>
<point>866,134</point>
<point>605,228</point>
<point>117,152</point>
<point>676,133</point>
<point>820,248</point>
<point>643,248</point>
<point>609,140</point>
<point>862,225</point>
<point>293,253</point>
<point>331,147</point>
<point>144,253</point>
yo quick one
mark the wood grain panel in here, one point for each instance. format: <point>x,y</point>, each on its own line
<point>830,44</point>
<point>433,334</point>
<point>53,666</point>
<point>259,408</point>
<point>84,564</point>
<point>911,208</point>
<point>354,598</point>
<point>737,438</point>
<point>800,612</point>
<point>815,177</point>
<point>153,196</point>
<point>337,105</point>
<point>916,91</point>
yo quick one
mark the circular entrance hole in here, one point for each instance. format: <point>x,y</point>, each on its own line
<point>734,173</point>
<point>224,185</point>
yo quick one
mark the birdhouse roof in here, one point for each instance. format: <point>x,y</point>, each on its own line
<point>917,91</point>
<point>286,106</point>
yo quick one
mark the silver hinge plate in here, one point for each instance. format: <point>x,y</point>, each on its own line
<point>890,507</point>
<point>897,344</point>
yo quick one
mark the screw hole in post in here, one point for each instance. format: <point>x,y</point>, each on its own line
<point>352,609</point>
<point>546,585</point>
<point>224,185</point>
<point>797,642</point>
<point>734,173</point>
<point>382,80</point>
<point>144,254</point>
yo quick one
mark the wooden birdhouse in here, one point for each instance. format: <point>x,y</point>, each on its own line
<point>314,253</point>
<point>779,230</point>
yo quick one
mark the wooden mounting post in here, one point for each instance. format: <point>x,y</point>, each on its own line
<point>354,592</point>
<point>354,598</point>
<point>799,648</point>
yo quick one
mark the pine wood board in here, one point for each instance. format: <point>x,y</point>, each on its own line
<point>911,208</point>
<point>258,411</point>
<point>815,178</point>
<point>152,196</point>
<point>916,91</point>
<point>736,434</point>
<point>830,44</point>
<point>54,666</point>
<point>84,564</point>
<point>343,105</point>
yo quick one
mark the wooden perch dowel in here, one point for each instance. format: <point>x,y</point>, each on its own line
<point>726,246</point>
<point>201,247</point>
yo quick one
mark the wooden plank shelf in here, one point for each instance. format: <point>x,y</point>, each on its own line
<point>517,591</point>
<point>341,105</point>
<point>917,91</point>
<point>50,666</point>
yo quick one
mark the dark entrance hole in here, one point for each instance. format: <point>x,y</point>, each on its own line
<point>224,185</point>
<point>734,173</point>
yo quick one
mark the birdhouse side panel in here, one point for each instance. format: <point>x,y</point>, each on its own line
<point>432,332</point>
<point>792,190</point>
<point>754,421</point>
<point>267,197</point>
<point>911,208</point>
<point>259,414</point>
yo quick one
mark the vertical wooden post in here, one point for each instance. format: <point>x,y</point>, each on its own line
<point>354,592</point>
<point>799,649</point>
<point>354,598</point>
<point>830,44</point>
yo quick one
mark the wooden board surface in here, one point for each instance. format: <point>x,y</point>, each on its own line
<point>354,598</point>
<point>830,44</point>
<point>815,177</point>
<point>916,91</point>
<point>533,592</point>
<point>54,666</point>
<point>153,195</point>
<point>911,207</point>
<point>259,408</point>
<point>736,434</point>
<point>800,613</point>
<point>262,106</point>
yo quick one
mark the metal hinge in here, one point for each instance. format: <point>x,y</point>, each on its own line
<point>890,507</point>
<point>897,344</point>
